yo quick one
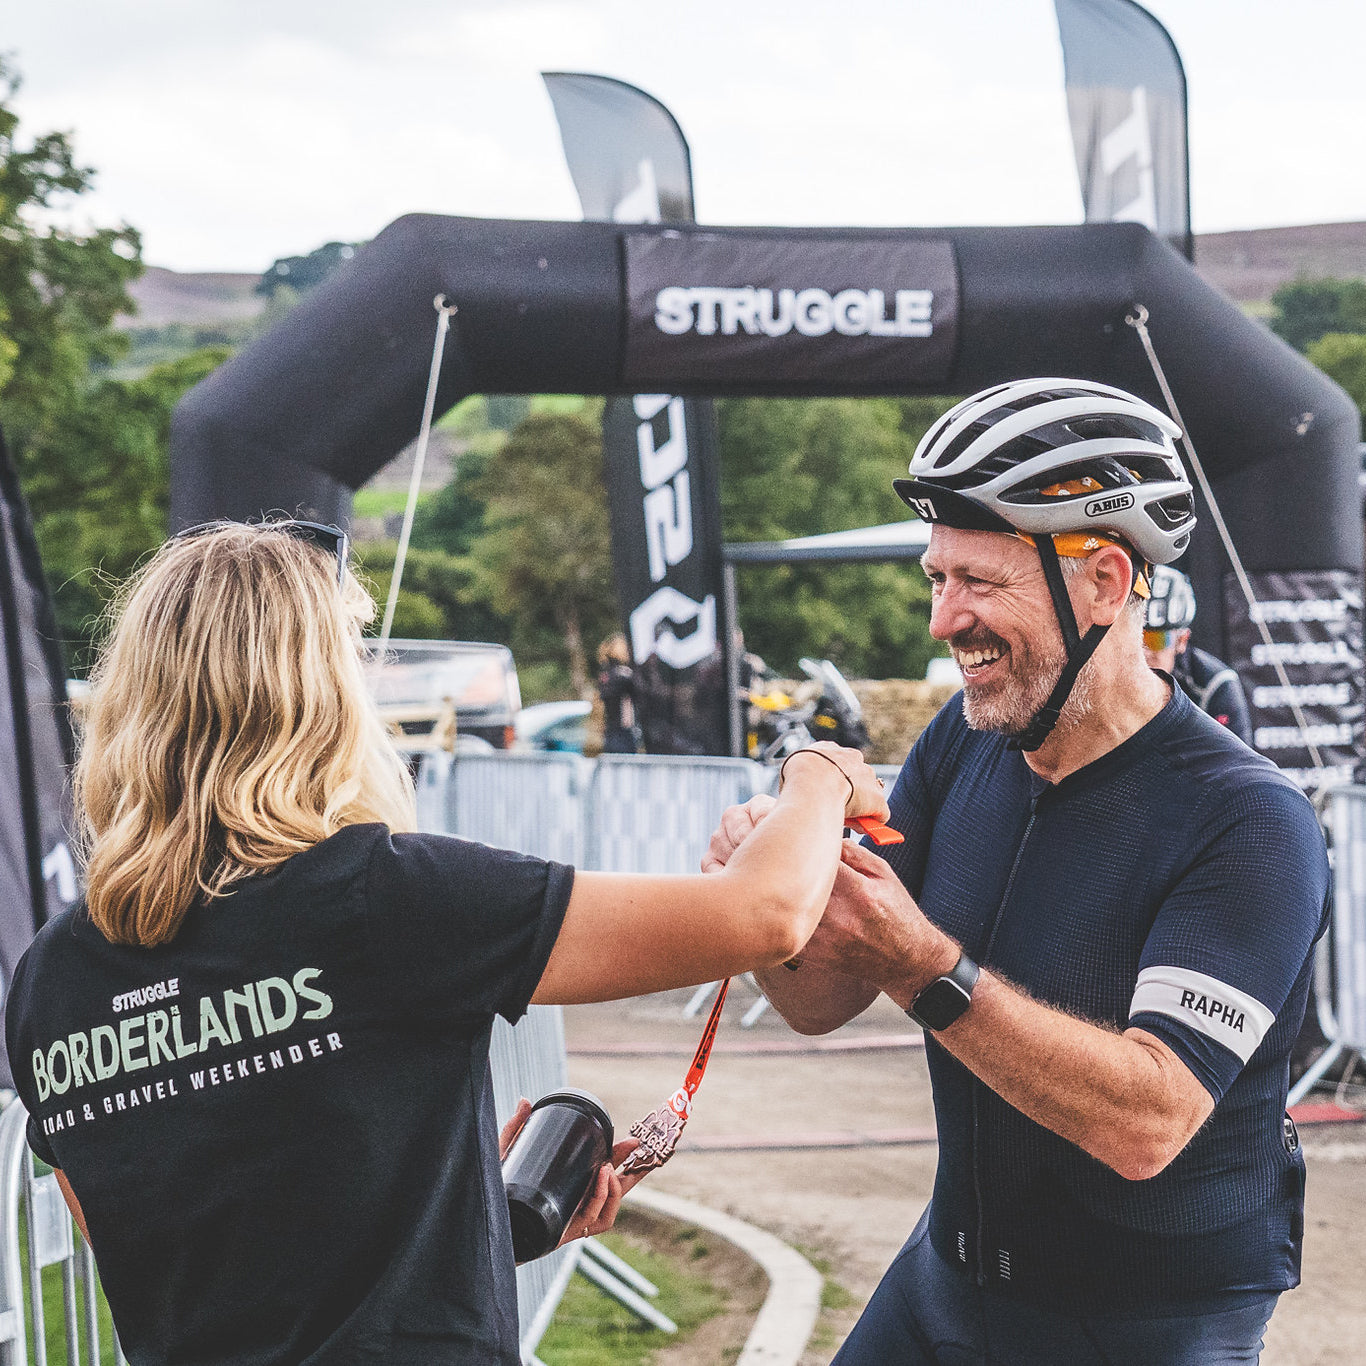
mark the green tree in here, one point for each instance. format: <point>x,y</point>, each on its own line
<point>1342,356</point>
<point>803,467</point>
<point>91,450</point>
<point>521,529</point>
<point>59,290</point>
<point>438,599</point>
<point>1305,310</point>
<point>450,518</point>
<point>108,504</point>
<point>543,560</point>
<point>302,273</point>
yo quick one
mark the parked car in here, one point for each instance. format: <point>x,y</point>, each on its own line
<point>559,726</point>
<point>439,691</point>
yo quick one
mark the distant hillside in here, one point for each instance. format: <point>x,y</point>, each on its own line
<point>1247,266</point>
<point>171,296</point>
<point>1250,266</point>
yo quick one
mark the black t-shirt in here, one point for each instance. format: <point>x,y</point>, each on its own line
<point>617,688</point>
<point>280,1125</point>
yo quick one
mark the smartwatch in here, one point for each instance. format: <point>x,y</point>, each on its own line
<point>946,998</point>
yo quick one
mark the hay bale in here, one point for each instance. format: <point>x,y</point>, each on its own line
<point>896,710</point>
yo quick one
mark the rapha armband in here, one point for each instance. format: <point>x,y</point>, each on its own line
<point>1204,1004</point>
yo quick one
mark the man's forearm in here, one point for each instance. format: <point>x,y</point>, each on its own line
<point>1124,1098</point>
<point>815,999</point>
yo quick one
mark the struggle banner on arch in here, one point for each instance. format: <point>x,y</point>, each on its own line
<point>881,311</point>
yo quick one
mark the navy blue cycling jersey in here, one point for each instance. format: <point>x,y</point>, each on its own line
<point>1176,884</point>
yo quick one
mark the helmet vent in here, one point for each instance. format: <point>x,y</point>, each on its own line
<point>1042,396</point>
<point>966,437</point>
<point>1106,473</point>
<point>1115,425</point>
<point>1172,512</point>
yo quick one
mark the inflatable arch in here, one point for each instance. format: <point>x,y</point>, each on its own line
<point>310,411</point>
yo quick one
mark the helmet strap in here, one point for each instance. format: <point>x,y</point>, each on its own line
<point>1079,649</point>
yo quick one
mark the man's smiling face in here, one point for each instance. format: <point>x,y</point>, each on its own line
<point>990,602</point>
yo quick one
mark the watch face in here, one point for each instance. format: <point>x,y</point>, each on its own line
<point>940,1004</point>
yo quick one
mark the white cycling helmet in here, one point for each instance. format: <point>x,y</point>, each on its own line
<point>1046,456</point>
<point>1171,600</point>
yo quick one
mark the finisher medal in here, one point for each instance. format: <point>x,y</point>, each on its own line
<point>658,1133</point>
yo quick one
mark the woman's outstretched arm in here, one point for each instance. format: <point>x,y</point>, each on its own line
<point>627,934</point>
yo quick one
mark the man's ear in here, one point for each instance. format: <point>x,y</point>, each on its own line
<point>1110,574</point>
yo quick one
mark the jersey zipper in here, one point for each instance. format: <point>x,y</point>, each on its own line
<point>976,1084</point>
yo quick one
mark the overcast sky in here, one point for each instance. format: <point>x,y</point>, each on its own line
<point>233,133</point>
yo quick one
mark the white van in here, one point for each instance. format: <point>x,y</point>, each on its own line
<point>469,687</point>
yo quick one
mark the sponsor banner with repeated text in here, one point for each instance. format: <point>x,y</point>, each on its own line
<point>727,310</point>
<point>1314,618</point>
<point>664,503</point>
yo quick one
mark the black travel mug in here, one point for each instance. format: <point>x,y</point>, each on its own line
<point>550,1167</point>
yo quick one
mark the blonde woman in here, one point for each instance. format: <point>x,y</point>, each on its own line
<point>258,1055</point>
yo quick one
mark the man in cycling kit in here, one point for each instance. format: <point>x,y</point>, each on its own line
<point>1210,683</point>
<point>1102,915</point>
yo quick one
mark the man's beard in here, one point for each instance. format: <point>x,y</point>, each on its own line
<point>1010,703</point>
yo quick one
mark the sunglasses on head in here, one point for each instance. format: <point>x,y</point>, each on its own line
<point>1159,640</point>
<point>331,540</point>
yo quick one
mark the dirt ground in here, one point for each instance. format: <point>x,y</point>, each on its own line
<point>852,1207</point>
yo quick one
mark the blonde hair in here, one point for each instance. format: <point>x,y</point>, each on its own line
<point>227,728</point>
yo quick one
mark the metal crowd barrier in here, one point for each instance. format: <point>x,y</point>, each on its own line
<point>655,814</point>
<point>528,1059</point>
<point>1340,967</point>
<point>533,803</point>
<point>48,1238</point>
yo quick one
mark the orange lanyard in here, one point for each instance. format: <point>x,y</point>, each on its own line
<point>658,1133</point>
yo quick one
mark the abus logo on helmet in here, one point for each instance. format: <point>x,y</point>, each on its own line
<point>709,309</point>
<point>1116,502</point>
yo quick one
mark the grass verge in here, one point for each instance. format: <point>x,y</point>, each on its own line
<point>838,1309</point>
<point>590,1329</point>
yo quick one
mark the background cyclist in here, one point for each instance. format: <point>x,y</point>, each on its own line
<point>1210,683</point>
